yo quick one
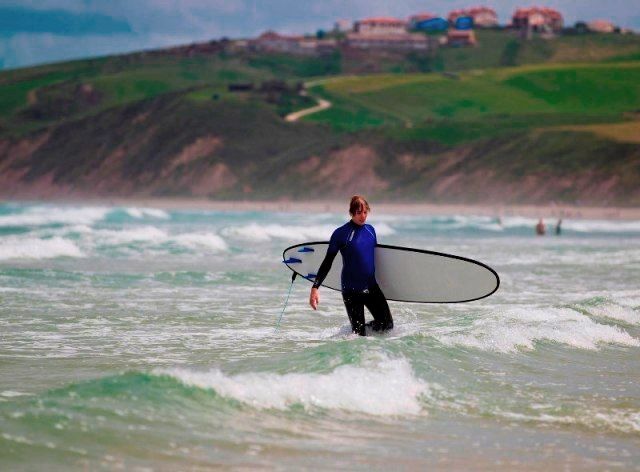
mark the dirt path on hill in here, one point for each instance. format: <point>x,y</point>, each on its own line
<point>322,105</point>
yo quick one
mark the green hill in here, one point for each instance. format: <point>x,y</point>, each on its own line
<point>470,105</point>
<point>512,116</point>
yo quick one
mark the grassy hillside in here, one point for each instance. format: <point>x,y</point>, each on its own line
<point>37,99</point>
<point>465,106</point>
<point>29,97</point>
<point>505,48</point>
<point>509,120</point>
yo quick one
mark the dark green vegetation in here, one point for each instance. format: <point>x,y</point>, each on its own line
<point>499,122</point>
<point>29,95</point>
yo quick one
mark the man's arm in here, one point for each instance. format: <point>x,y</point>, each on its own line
<point>325,267</point>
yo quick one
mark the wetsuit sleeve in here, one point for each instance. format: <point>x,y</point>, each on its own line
<point>332,250</point>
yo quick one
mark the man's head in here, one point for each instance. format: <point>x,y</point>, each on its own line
<point>359,209</point>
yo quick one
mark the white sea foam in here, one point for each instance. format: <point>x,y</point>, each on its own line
<point>12,394</point>
<point>209,241</point>
<point>487,223</point>
<point>628,298</point>
<point>481,222</point>
<point>383,229</point>
<point>615,312</point>
<point>387,388</point>
<point>75,241</point>
<point>624,421</point>
<point>260,232</point>
<point>35,248</point>
<point>579,226</point>
<point>147,212</point>
<point>145,236</point>
<point>149,234</point>
<point>518,222</point>
<point>602,226</point>
<point>618,420</point>
<point>522,328</point>
<point>44,215</point>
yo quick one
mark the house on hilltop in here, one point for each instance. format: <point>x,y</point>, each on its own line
<point>270,41</point>
<point>385,34</point>
<point>380,26</point>
<point>601,26</point>
<point>415,20</point>
<point>538,19</point>
<point>483,17</point>
<point>458,38</point>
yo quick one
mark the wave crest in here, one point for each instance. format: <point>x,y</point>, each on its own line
<point>522,328</point>
<point>387,388</point>
<point>36,248</point>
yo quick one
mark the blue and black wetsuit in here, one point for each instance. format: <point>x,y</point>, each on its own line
<point>359,287</point>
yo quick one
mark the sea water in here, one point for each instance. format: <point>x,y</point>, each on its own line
<point>144,338</point>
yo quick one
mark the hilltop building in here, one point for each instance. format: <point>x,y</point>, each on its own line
<point>458,38</point>
<point>270,41</point>
<point>483,17</point>
<point>601,26</point>
<point>414,20</point>
<point>538,19</point>
<point>385,34</point>
<point>380,26</point>
<point>398,41</point>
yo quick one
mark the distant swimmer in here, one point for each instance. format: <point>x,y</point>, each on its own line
<point>356,241</point>
<point>540,228</point>
<point>559,227</point>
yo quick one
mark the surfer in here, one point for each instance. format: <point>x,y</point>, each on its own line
<point>356,241</point>
<point>559,227</point>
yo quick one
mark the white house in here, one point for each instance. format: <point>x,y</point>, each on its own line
<point>380,25</point>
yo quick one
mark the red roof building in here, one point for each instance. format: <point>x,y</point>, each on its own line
<point>538,19</point>
<point>457,38</point>
<point>601,26</point>
<point>483,17</point>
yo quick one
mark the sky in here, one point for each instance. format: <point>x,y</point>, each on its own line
<point>41,31</point>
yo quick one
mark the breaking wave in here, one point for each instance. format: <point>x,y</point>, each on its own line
<point>36,248</point>
<point>389,388</point>
<point>509,331</point>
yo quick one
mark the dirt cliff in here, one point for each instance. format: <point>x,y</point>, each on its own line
<point>170,146</point>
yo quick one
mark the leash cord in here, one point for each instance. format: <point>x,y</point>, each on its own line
<point>293,278</point>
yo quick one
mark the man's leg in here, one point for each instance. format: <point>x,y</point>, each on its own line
<point>377,304</point>
<point>355,311</point>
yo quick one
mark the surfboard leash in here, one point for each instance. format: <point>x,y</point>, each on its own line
<point>286,302</point>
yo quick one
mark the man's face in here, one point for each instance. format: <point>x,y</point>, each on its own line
<point>360,216</point>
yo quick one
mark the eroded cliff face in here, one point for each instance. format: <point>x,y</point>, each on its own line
<point>169,148</point>
<point>15,157</point>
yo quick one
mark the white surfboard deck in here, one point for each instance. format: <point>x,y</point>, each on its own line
<point>405,274</point>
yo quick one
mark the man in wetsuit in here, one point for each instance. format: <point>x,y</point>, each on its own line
<point>356,241</point>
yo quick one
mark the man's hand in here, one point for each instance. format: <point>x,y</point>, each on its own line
<point>314,298</point>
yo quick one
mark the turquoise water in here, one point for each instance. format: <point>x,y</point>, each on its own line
<point>133,337</point>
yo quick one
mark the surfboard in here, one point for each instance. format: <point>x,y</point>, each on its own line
<point>405,274</point>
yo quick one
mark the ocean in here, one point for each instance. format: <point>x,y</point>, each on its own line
<point>145,339</point>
